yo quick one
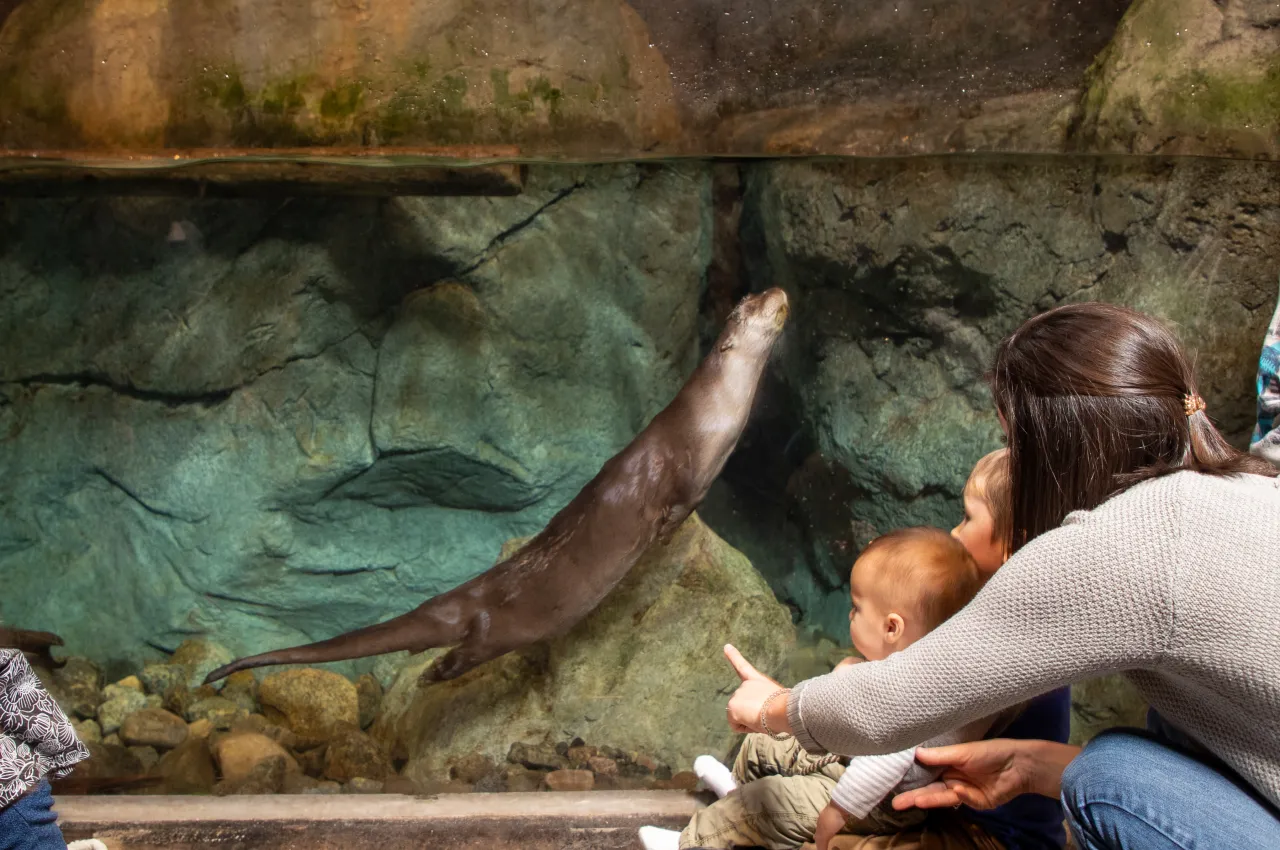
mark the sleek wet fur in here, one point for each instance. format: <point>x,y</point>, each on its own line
<point>640,495</point>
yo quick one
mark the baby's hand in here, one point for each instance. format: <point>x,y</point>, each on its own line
<point>831,820</point>
<point>847,662</point>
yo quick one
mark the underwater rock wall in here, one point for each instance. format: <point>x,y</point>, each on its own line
<point>272,421</point>
<point>266,422</point>
<point>904,275</point>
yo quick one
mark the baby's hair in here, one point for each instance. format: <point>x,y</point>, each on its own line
<point>929,565</point>
<point>993,485</point>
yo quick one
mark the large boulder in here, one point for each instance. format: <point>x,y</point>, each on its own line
<point>313,703</point>
<point>1187,77</point>
<point>417,72</point>
<point>312,416</point>
<point>903,278</point>
<point>644,672</point>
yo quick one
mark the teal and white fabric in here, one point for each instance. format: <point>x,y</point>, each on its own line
<point>1266,433</point>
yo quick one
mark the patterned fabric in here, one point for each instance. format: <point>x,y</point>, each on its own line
<point>36,739</point>
<point>1269,382</point>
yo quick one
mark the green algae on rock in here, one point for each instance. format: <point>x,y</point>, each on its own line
<point>1186,77</point>
<point>409,72</point>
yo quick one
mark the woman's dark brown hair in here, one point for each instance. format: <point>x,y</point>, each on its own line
<point>1093,400</point>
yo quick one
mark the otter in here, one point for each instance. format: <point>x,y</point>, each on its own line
<point>37,646</point>
<point>641,495</point>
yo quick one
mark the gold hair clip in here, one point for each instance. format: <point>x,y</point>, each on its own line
<point>1192,404</point>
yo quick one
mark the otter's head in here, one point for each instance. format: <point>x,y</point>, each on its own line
<point>756,322</point>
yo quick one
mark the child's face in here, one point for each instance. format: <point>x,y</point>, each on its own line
<point>875,629</point>
<point>977,531</point>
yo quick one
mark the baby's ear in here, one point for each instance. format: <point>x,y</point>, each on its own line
<point>894,628</point>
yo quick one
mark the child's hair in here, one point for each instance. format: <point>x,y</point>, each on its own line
<point>992,484</point>
<point>929,564</point>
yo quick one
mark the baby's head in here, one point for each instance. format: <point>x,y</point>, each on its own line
<point>986,530</point>
<point>904,585</point>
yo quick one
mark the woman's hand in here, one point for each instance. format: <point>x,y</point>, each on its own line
<point>986,774</point>
<point>745,704</point>
<point>846,662</point>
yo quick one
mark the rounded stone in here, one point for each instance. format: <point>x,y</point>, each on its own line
<point>242,689</point>
<point>153,727</point>
<point>162,678</point>
<point>266,777</point>
<point>188,768</point>
<point>369,695</point>
<point>312,702</point>
<point>570,780</point>
<point>87,731</point>
<point>238,754</point>
<point>360,785</point>
<point>199,658</point>
<point>118,703</point>
<point>352,753</point>
<point>219,711</point>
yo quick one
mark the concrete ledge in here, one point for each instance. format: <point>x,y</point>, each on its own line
<point>597,820</point>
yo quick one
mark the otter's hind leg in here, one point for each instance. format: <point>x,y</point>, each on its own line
<point>474,650</point>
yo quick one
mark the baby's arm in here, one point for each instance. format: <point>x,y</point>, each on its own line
<point>869,779</point>
<point>866,781</point>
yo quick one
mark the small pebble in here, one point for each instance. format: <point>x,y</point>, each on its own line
<point>360,785</point>
<point>570,780</point>
<point>603,766</point>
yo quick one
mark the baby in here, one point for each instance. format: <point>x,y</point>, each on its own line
<point>902,586</point>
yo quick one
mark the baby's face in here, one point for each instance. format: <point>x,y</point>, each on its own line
<point>868,612</point>
<point>977,531</point>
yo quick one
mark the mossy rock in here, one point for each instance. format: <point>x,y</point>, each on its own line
<point>135,75</point>
<point>1184,77</point>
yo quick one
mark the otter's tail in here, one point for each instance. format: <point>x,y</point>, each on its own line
<point>414,631</point>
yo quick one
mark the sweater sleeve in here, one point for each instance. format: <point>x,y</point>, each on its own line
<point>1091,597</point>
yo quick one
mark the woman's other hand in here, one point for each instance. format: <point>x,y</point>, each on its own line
<point>986,774</point>
<point>747,700</point>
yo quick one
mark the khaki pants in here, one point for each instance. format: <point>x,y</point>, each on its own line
<point>781,790</point>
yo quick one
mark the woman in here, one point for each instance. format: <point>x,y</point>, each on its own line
<point>1143,544</point>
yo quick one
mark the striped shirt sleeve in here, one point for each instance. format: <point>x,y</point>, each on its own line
<point>869,779</point>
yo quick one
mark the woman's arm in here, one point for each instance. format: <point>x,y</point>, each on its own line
<point>1092,597</point>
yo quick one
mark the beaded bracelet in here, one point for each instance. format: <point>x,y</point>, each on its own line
<point>764,723</point>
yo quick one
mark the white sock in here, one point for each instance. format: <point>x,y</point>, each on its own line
<point>656,838</point>
<point>87,844</point>
<point>718,777</point>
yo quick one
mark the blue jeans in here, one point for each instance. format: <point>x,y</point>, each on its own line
<point>1134,790</point>
<point>30,824</point>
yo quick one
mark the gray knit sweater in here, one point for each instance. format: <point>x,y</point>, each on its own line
<point>1175,582</point>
